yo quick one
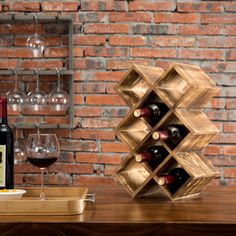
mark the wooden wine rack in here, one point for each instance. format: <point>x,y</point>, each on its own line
<point>184,89</point>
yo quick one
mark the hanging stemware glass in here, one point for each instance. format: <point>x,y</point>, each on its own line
<point>35,42</point>
<point>36,98</point>
<point>59,99</point>
<point>15,97</point>
<point>19,149</point>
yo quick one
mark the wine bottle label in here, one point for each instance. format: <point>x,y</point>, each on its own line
<point>2,165</point>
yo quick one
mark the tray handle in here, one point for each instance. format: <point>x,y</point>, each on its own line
<point>90,197</point>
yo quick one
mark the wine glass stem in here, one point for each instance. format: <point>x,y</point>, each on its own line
<point>42,192</point>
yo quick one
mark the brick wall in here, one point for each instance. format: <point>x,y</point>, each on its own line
<point>109,36</point>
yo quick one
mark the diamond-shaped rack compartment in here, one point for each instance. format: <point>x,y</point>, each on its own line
<point>136,82</point>
<point>186,86</point>
<point>182,91</point>
<point>133,130</point>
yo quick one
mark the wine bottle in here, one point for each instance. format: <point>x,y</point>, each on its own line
<point>154,155</point>
<point>6,149</point>
<point>172,134</point>
<point>153,111</point>
<point>174,179</point>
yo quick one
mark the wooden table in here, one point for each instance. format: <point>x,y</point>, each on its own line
<point>115,213</point>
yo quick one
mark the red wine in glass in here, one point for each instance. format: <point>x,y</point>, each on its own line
<point>42,162</point>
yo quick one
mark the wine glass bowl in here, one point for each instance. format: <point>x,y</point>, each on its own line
<point>15,97</point>
<point>42,151</point>
<point>59,99</point>
<point>35,42</point>
<point>15,100</point>
<point>37,98</point>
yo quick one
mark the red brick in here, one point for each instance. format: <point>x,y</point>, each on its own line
<point>130,17</point>
<point>97,158</point>
<point>225,138</point>
<point>19,179</point>
<point>110,169</point>
<point>219,66</point>
<point>104,100</point>
<point>102,5</point>
<point>231,104</point>
<point>127,40</point>
<point>56,120</point>
<point>106,28</point>
<point>176,18</point>
<point>151,6</point>
<point>58,179</point>
<point>199,7</point>
<point>66,157</point>
<point>89,63</point>
<point>200,30</point>
<point>165,65</point>
<point>94,180</point>
<point>126,64</point>
<point>231,55</point>
<point>153,53</point>
<point>230,6</point>
<point>25,6</point>
<point>19,28</point>
<point>60,6</point>
<point>101,75</point>
<point>90,87</point>
<point>98,123</point>
<point>154,29</point>
<point>114,147</point>
<point>213,150</point>
<point>106,52</point>
<point>15,53</point>
<point>218,19</point>
<point>47,64</point>
<point>89,40</point>
<point>216,103</point>
<point>56,52</point>
<point>230,127</point>
<point>71,168</point>
<point>87,111</point>
<point>8,64</point>
<point>173,41</point>
<point>230,172</point>
<point>201,54</point>
<point>223,161</point>
<point>78,99</point>
<point>93,134</point>
<point>217,42</point>
<point>78,145</point>
<point>230,150</point>
<point>86,17</point>
<point>230,30</point>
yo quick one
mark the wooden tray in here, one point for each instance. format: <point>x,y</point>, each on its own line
<point>60,201</point>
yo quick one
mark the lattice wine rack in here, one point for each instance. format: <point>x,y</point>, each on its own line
<point>182,90</point>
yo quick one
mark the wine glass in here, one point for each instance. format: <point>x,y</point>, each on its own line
<point>36,98</point>
<point>35,42</point>
<point>19,150</point>
<point>15,97</point>
<point>42,150</point>
<point>59,99</point>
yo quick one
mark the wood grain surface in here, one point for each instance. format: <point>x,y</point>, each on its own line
<point>116,213</point>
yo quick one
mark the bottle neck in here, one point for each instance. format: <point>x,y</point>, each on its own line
<point>166,180</point>
<point>160,135</point>
<point>144,156</point>
<point>142,112</point>
<point>3,113</point>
